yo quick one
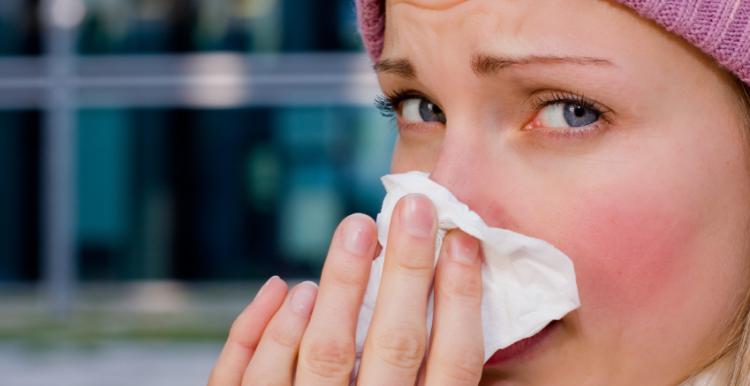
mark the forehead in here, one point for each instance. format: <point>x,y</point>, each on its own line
<point>571,27</point>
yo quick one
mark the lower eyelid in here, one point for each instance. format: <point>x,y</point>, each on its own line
<point>584,132</point>
<point>417,128</point>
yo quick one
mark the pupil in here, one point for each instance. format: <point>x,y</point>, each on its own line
<point>579,111</point>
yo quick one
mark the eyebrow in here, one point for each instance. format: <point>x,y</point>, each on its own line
<point>399,67</point>
<point>483,64</point>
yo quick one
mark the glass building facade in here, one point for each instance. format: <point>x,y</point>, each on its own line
<point>212,139</point>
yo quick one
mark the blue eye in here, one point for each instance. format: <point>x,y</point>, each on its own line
<point>410,106</point>
<point>417,110</point>
<point>577,115</point>
<point>568,114</point>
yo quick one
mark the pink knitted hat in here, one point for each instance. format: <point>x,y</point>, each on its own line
<point>720,28</point>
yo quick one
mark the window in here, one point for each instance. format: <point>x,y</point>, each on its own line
<point>203,140</point>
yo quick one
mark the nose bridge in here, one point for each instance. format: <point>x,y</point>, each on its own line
<point>462,163</point>
<point>470,168</point>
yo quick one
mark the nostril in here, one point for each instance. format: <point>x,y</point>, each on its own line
<point>497,215</point>
<point>480,195</point>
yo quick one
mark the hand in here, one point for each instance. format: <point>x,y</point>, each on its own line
<point>281,339</point>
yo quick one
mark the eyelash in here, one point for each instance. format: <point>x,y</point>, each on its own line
<point>573,98</point>
<point>389,103</point>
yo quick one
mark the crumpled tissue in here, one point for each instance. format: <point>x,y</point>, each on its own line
<point>527,283</point>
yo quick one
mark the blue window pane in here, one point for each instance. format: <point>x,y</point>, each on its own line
<point>20,28</point>
<point>223,194</point>
<point>161,26</point>
<point>19,196</point>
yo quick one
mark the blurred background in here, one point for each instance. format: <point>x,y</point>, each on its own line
<point>160,159</point>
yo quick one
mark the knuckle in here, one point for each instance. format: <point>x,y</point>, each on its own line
<point>402,348</point>
<point>237,334</point>
<point>234,328</point>
<point>460,286</point>
<point>464,368</point>
<point>416,262</point>
<point>329,359</point>
<point>263,382</point>
<point>284,335</point>
<point>345,272</point>
<point>346,276</point>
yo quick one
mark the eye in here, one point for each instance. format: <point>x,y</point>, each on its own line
<point>568,114</point>
<point>418,110</point>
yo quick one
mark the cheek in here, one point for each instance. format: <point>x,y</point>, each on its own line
<point>409,155</point>
<point>631,251</point>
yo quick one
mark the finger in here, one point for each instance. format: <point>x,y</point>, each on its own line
<point>327,352</point>
<point>395,344</point>
<point>275,357</point>
<point>456,355</point>
<point>245,333</point>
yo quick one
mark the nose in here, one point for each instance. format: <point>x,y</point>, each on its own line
<point>471,167</point>
<point>458,167</point>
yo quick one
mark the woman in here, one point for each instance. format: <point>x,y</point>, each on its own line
<point>584,123</point>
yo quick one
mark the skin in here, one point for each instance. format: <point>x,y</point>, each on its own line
<point>651,206</point>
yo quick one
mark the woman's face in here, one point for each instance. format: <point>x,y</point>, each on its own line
<point>580,123</point>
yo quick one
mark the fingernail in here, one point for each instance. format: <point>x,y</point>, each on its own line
<point>357,237</point>
<point>266,285</point>
<point>418,216</point>
<point>303,298</point>
<point>464,249</point>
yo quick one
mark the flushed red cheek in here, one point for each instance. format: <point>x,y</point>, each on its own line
<point>629,251</point>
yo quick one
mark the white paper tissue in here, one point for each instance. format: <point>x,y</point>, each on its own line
<point>526,282</point>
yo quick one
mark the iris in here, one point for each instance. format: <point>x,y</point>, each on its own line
<point>576,115</point>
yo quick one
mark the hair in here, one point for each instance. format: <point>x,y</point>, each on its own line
<point>745,94</point>
<point>739,337</point>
